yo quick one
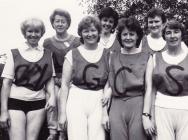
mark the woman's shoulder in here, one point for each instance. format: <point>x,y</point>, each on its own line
<point>13,52</point>
<point>48,51</point>
<point>113,55</point>
<point>48,42</point>
<point>71,36</point>
<point>144,39</point>
<point>73,51</point>
<point>74,38</point>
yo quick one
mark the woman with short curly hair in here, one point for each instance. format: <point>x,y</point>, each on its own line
<point>85,74</point>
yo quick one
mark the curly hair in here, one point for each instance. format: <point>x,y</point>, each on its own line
<point>60,12</point>
<point>109,12</point>
<point>132,24</point>
<point>86,22</point>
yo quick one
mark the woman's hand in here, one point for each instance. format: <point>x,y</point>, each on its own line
<point>63,122</point>
<point>106,99</point>
<point>149,126</point>
<point>52,137</point>
<point>5,120</point>
<point>57,82</point>
<point>105,122</point>
<point>51,104</point>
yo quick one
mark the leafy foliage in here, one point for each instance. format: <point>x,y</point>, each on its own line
<point>177,9</point>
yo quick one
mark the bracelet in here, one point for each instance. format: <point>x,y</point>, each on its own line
<point>146,115</point>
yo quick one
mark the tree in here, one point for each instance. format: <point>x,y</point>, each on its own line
<point>173,8</point>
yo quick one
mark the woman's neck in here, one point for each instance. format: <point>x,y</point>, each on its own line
<point>32,45</point>
<point>132,50</point>
<point>156,36</point>
<point>91,46</point>
<point>174,50</point>
<point>62,36</point>
<point>105,34</point>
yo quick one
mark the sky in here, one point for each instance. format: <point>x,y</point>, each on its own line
<point>13,12</point>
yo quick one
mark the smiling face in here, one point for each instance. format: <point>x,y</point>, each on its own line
<point>33,35</point>
<point>60,24</point>
<point>90,35</point>
<point>107,24</point>
<point>155,25</point>
<point>129,39</point>
<point>173,37</point>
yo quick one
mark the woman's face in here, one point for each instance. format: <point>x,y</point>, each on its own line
<point>90,35</point>
<point>128,38</point>
<point>173,37</point>
<point>33,35</point>
<point>107,24</point>
<point>60,24</point>
<point>155,25</point>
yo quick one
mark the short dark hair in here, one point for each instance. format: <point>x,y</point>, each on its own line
<point>60,12</point>
<point>174,24</point>
<point>86,22</point>
<point>131,24</point>
<point>109,12</point>
<point>152,13</point>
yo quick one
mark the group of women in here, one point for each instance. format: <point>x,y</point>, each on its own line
<point>113,79</point>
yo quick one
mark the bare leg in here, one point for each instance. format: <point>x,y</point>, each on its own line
<point>35,120</point>
<point>18,123</point>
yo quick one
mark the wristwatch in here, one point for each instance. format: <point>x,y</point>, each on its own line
<point>146,115</point>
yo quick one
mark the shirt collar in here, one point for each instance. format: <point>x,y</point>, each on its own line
<point>27,47</point>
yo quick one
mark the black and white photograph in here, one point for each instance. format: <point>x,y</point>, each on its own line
<point>94,70</point>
